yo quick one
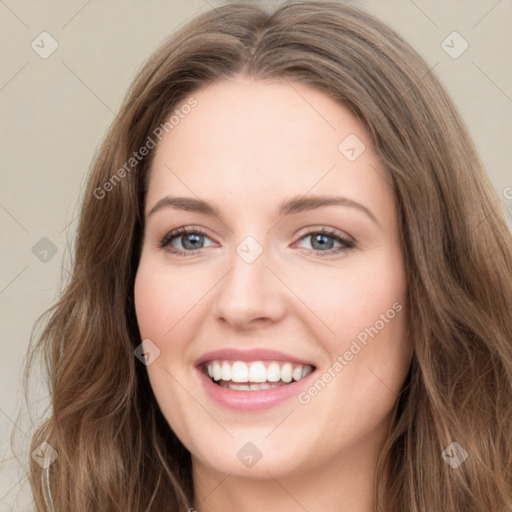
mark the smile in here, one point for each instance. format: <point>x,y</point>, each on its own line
<point>255,375</point>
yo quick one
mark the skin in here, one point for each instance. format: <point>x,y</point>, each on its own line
<point>247,146</point>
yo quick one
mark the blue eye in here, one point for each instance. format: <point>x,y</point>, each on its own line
<point>323,241</point>
<point>191,240</point>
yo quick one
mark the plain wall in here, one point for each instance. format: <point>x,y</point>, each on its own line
<point>55,111</point>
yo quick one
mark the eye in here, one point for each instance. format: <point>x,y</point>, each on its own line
<point>190,240</point>
<point>323,241</point>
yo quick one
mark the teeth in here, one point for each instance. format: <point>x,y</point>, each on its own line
<point>239,373</point>
<point>217,371</point>
<point>226,371</point>
<point>286,372</point>
<point>273,372</point>
<point>250,387</point>
<point>256,374</point>
<point>297,372</point>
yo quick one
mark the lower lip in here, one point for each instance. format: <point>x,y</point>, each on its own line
<point>251,400</point>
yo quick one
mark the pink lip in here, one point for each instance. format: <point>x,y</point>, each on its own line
<point>251,400</point>
<point>234,354</point>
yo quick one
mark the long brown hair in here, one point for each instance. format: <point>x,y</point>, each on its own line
<point>115,449</point>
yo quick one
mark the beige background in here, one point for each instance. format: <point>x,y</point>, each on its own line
<point>55,111</point>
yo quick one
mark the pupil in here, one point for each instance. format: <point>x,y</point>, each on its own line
<point>190,240</point>
<point>321,241</point>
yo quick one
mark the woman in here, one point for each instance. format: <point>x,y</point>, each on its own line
<point>291,285</point>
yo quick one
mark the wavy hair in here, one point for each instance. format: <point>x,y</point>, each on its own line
<point>116,451</point>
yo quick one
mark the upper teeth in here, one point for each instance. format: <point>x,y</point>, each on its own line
<point>257,371</point>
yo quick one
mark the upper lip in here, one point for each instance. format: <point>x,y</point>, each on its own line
<point>236,354</point>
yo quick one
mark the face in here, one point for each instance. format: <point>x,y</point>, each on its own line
<point>271,287</point>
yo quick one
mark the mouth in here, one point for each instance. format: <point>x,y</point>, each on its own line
<point>254,375</point>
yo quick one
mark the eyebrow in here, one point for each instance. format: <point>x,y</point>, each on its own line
<point>293,205</point>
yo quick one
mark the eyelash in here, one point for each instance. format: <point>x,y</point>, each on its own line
<point>167,239</point>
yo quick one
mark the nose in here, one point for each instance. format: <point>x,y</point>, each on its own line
<point>250,294</point>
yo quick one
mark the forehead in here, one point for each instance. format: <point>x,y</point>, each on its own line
<point>256,142</point>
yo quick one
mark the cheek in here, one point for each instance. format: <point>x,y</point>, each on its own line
<point>158,308</point>
<point>169,307</point>
<point>155,307</point>
<point>353,297</point>
<point>161,298</point>
<point>148,302</point>
<point>373,334</point>
<point>365,309</point>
